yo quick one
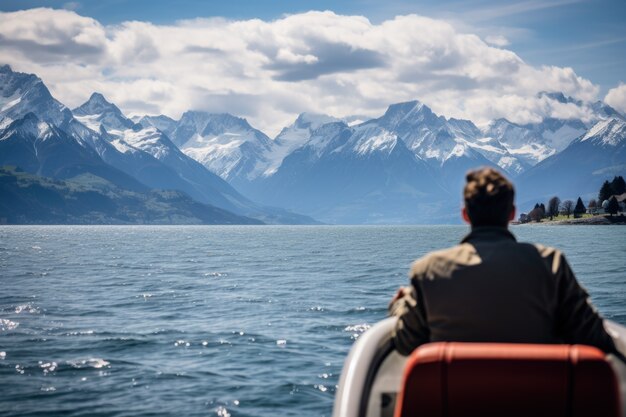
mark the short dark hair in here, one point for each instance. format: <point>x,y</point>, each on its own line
<point>488,197</point>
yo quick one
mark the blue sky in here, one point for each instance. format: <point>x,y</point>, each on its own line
<point>268,60</point>
<point>587,35</point>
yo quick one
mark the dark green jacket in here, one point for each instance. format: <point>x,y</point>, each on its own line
<point>491,288</point>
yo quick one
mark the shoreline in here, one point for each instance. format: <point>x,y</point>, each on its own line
<point>599,220</point>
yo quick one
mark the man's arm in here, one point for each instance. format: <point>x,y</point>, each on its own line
<point>411,329</point>
<point>577,320</point>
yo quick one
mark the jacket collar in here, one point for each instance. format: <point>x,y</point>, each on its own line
<point>489,233</point>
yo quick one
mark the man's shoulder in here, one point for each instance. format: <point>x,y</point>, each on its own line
<point>436,263</point>
<point>546,251</point>
<point>553,257</point>
<point>440,262</point>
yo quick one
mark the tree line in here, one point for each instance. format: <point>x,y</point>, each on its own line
<point>606,200</point>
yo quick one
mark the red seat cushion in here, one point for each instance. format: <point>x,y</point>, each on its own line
<point>493,379</point>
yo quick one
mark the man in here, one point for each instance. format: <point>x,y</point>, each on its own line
<point>490,288</point>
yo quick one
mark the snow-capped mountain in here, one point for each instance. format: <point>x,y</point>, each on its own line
<point>102,116</point>
<point>249,160</point>
<point>527,144</point>
<point>43,149</point>
<point>361,174</point>
<point>291,138</point>
<point>442,141</point>
<point>581,168</point>
<point>97,111</point>
<point>230,147</point>
<point>609,134</point>
<point>227,145</point>
<point>168,166</point>
<point>449,146</point>
<point>122,151</point>
<point>378,167</point>
<point>165,124</point>
<point>406,166</point>
<point>534,142</point>
<point>26,93</point>
<point>310,161</point>
<point>156,160</point>
<point>145,153</point>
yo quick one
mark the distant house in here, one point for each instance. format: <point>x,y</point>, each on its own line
<point>621,200</point>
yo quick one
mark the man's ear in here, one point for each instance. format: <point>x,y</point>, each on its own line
<point>465,215</point>
<point>512,215</point>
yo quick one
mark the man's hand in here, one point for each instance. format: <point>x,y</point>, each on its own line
<point>399,294</point>
<point>393,304</point>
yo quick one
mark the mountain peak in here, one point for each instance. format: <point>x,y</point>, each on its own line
<point>218,123</point>
<point>312,121</point>
<point>202,117</point>
<point>410,110</point>
<point>98,98</point>
<point>96,104</point>
<point>610,132</point>
<point>97,112</point>
<point>406,107</point>
<point>22,93</point>
<point>29,125</point>
<point>407,115</point>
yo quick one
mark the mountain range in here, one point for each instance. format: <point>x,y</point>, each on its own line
<point>42,136</point>
<point>406,166</point>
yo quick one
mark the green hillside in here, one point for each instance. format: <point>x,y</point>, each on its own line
<point>87,199</point>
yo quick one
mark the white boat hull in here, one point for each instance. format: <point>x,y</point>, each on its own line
<point>372,374</point>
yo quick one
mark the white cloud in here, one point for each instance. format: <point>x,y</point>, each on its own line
<point>268,71</point>
<point>616,98</point>
<point>497,40</point>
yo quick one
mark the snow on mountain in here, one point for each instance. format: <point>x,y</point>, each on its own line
<point>97,111</point>
<point>29,127</point>
<point>381,141</point>
<point>26,93</point>
<point>149,154</point>
<point>41,148</point>
<point>416,124</point>
<point>227,145</point>
<point>34,97</point>
<point>75,148</point>
<point>579,169</point>
<point>525,143</point>
<point>535,142</point>
<point>437,140</point>
<point>360,174</point>
<point>165,124</point>
<point>607,133</point>
<point>291,138</point>
<point>377,170</point>
<point>383,168</point>
<point>327,138</point>
<point>330,136</point>
<point>102,116</point>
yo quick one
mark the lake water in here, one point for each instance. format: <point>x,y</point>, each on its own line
<point>226,321</point>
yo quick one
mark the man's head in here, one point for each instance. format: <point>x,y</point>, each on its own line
<point>488,198</point>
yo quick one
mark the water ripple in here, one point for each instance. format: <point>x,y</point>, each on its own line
<point>223,321</point>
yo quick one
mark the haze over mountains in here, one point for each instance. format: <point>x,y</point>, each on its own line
<point>407,166</point>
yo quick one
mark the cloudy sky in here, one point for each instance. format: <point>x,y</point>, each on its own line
<point>268,60</point>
